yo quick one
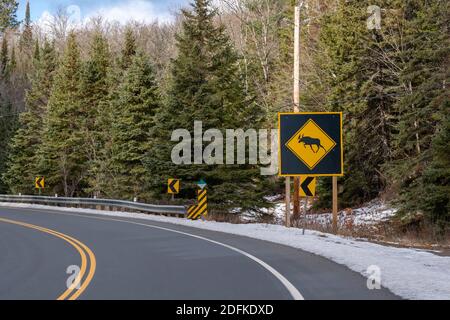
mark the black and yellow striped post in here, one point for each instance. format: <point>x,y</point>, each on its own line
<point>201,209</point>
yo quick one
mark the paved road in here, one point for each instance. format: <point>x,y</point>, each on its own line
<point>140,259</point>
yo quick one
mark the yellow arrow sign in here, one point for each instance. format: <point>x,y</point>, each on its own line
<point>308,186</point>
<point>39,183</point>
<point>173,186</point>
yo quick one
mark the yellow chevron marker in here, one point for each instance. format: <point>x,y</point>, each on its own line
<point>39,182</point>
<point>191,211</point>
<point>201,209</point>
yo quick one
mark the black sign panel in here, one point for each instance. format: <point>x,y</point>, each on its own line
<point>311,144</point>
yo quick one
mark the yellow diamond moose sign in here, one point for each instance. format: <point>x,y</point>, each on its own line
<point>311,144</point>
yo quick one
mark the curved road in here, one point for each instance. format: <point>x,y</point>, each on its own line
<point>60,255</point>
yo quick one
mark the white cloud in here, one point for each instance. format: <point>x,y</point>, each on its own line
<point>45,21</point>
<point>131,10</point>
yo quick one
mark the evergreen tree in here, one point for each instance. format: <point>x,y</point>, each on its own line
<point>206,86</point>
<point>8,123</point>
<point>24,157</point>
<point>111,110</point>
<point>359,82</point>
<point>129,49</point>
<point>12,61</point>
<point>418,166</point>
<point>138,101</point>
<point>37,51</point>
<point>63,155</point>
<point>4,58</point>
<point>95,87</point>
<point>26,39</point>
<point>8,18</point>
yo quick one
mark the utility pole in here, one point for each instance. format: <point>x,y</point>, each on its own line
<point>296,198</point>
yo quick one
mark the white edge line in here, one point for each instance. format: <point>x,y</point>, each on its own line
<point>296,295</point>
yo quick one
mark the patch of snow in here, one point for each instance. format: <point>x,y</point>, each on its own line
<point>274,198</point>
<point>409,273</point>
<point>374,212</point>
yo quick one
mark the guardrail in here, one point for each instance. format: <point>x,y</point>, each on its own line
<point>99,204</point>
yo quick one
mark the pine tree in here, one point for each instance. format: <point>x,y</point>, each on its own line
<point>8,18</point>
<point>418,166</point>
<point>24,157</point>
<point>8,124</point>
<point>8,9</point>
<point>358,81</point>
<point>95,87</point>
<point>129,49</point>
<point>138,101</point>
<point>63,157</point>
<point>12,61</point>
<point>26,39</point>
<point>206,86</point>
<point>4,58</point>
<point>37,51</point>
<point>111,107</point>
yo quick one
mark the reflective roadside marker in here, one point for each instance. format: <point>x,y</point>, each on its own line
<point>200,209</point>
<point>308,186</point>
<point>173,186</point>
<point>39,182</point>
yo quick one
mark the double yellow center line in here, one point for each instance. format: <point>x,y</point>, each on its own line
<point>87,259</point>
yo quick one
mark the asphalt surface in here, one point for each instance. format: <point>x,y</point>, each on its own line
<point>141,259</point>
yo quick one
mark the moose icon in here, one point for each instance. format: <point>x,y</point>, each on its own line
<point>308,141</point>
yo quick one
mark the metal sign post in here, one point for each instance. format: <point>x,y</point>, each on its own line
<point>311,145</point>
<point>288,202</point>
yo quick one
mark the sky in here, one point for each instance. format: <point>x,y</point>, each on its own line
<point>118,10</point>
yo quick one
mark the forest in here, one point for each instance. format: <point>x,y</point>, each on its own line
<point>92,106</point>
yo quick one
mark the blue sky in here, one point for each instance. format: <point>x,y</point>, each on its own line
<point>120,10</point>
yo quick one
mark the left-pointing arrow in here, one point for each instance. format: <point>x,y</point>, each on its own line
<point>40,183</point>
<point>174,186</point>
<point>305,187</point>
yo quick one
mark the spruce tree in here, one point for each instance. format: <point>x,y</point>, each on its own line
<point>24,156</point>
<point>359,82</point>
<point>95,87</point>
<point>129,49</point>
<point>138,101</point>
<point>418,166</point>
<point>111,108</point>
<point>4,58</point>
<point>8,17</point>
<point>63,155</point>
<point>26,39</point>
<point>205,86</point>
<point>8,124</point>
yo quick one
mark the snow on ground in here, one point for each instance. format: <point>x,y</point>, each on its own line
<point>372,213</point>
<point>409,273</point>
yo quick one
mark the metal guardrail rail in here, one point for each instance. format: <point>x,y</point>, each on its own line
<point>99,204</point>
